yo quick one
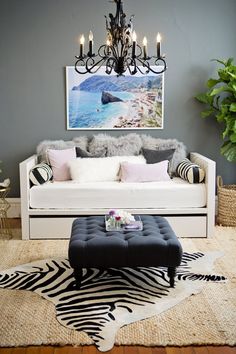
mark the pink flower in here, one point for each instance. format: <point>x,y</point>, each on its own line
<point>112,212</point>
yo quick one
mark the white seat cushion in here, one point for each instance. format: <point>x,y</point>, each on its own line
<point>175,193</point>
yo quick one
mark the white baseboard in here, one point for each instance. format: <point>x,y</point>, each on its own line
<point>14,210</point>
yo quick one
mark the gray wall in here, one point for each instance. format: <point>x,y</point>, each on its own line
<point>39,38</point>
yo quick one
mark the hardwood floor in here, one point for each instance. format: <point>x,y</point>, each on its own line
<point>15,223</point>
<point>121,350</point>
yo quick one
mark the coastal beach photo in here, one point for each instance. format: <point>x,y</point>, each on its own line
<point>101,101</point>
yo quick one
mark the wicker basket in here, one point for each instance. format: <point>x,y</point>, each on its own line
<point>226,203</point>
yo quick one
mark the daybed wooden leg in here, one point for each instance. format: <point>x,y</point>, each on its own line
<point>78,277</point>
<point>171,274</point>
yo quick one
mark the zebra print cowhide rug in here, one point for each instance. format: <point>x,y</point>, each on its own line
<point>110,299</point>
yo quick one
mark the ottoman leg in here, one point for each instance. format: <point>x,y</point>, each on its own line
<point>171,274</point>
<point>78,276</point>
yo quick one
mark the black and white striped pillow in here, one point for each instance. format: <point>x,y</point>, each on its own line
<point>190,171</point>
<point>40,174</point>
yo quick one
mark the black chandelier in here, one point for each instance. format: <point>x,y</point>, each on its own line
<point>121,51</point>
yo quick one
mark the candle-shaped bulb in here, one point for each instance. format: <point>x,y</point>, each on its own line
<point>134,36</point>
<point>90,35</point>
<point>158,45</point>
<point>90,53</point>
<point>145,48</point>
<point>158,37</point>
<point>82,39</point>
<point>108,43</point>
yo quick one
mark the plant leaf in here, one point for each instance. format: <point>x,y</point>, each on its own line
<point>232,75</point>
<point>224,62</point>
<point>233,138</point>
<point>202,97</point>
<point>232,107</point>
<point>228,149</point>
<point>229,61</point>
<point>212,82</point>
<point>220,89</point>
<point>207,113</point>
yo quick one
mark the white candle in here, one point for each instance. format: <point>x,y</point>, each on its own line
<point>158,45</point>
<point>134,37</point>
<point>82,40</point>
<point>90,43</point>
<point>145,47</point>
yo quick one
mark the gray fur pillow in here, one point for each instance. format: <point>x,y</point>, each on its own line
<point>106,145</point>
<point>42,148</point>
<point>81,141</point>
<point>180,153</point>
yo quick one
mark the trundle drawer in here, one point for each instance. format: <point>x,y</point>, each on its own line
<point>60,228</point>
<point>50,228</point>
<point>188,226</point>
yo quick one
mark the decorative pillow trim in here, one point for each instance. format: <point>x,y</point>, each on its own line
<point>40,174</point>
<point>190,172</point>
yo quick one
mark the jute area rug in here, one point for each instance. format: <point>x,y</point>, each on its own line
<point>208,317</point>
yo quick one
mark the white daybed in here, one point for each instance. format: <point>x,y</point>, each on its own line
<point>47,211</point>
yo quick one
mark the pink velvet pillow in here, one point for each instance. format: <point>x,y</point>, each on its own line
<point>59,162</point>
<point>155,172</point>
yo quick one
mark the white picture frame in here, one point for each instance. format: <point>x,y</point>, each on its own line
<point>138,101</point>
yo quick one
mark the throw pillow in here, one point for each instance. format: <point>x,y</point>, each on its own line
<point>44,146</point>
<point>106,145</point>
<point>40,174</point>
<point>190,171</point>
<point>59,162</point>
<point>81,141</point>
<point>154,156</point>
<point>152,143</point>
<point>101,169</point>
<point>83,153</point>
<point>157,172</point>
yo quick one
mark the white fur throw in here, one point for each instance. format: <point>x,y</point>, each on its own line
<point>100,169</point>
<point>107,145</point>
<point>180,153</point>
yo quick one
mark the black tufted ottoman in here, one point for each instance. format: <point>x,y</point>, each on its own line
<point>91,246</point>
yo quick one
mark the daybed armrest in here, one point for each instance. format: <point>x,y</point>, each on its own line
<point>25,167</point>
<point>209,167</point>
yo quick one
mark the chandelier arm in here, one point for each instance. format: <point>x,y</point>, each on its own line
<point>103,48</point>
<point>145,66</point>
<point>131,62</point>
<point>80,63</point>
<point>150,68</point>
<point>110,64</point>
<point>94,64</point>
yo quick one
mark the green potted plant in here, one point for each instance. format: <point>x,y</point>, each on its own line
<point>220,101</point>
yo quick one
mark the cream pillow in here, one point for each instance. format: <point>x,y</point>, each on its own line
<point>101,169</point>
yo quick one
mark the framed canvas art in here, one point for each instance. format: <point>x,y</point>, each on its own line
<point>101,101</point>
